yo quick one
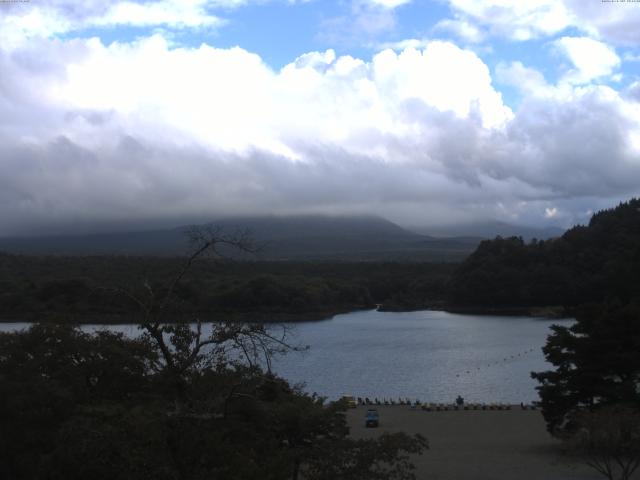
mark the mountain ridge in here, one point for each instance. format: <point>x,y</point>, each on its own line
<point>290,237</point>
<point>284,237</point>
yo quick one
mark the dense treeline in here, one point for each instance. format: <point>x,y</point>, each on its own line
<point>79,288</point>
<point>593,263</point>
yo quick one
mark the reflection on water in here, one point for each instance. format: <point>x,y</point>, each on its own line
<point>433,356</point>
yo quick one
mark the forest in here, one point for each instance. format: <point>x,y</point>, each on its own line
<point>594,263</point>
<point>598,262</point>
<point>83,289</point>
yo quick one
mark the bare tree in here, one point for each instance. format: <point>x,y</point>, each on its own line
<point>180,340</point>
<point>609,440</point>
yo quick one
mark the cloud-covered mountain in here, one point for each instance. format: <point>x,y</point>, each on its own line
<point>278,238</point>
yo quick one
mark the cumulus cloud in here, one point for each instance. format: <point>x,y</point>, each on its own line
<point>574,146</point>
<point>90,132</point>
<point>591,59</point>
<point>527,80</point>
<point>517,20</point>
<point>615,22</point>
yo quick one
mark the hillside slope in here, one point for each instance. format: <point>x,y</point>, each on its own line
<point>593,263</point>
<point>296,237</point>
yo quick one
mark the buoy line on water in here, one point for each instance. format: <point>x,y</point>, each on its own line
<point>504,361</point>
<point>429,406</point>
<point>442,407</point>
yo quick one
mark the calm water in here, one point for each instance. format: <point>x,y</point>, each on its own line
<point>433,356</point>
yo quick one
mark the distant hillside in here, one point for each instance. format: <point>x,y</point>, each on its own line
<point>489,230</point>
<point>295,237</point>
<point>598,262</point>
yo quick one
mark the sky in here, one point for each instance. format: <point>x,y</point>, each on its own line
<point>127,114</point>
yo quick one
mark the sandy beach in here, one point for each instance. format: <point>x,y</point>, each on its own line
<point>478,445</point>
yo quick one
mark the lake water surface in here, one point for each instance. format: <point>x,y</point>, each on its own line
<point>430,355</point>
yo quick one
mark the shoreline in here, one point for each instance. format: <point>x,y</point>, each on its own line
<point>550,312</point>
<point>547,312</point>
<point>211,317</point>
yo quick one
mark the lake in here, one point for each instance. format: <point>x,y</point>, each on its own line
<point>430,355</point>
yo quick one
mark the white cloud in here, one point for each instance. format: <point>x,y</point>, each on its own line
<point>445,77</point>
<point>231,99</point>
<point>462,29</point>
<point>416,43</point>
<point>592,59</point>
<point>525,79</point>
<point>550,212</point>
<point>364,22</point>
<point>630,57</point>
<point>615,22</point>
<point>25,20</point>
<point>520,20</point>
<point>141,130</point>
<point>171,13</point>
<point>390,3</point>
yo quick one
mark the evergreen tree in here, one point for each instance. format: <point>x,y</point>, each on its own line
<point>597,363</point>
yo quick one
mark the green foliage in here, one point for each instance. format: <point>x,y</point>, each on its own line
<point>85,289</point>
<point>49,371</point>
<point>386,459</point>
<point>597,362</point>
<point>77,406</point>
<point>599,262</point>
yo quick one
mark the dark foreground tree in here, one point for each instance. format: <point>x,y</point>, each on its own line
<point>182,401</point>
<point>592,398</point>
<point>597,363</point>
